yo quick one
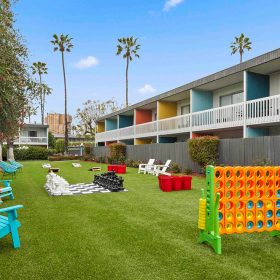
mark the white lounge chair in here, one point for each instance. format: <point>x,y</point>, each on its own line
<point>146,167</point>
<point>161,169</point>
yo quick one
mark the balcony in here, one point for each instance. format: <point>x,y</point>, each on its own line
<point>258,111</point>
<point>31,141</point>
<point>221,117</point>
<point>177,124</point>
<point>263,110</point>
<point>146,129</point>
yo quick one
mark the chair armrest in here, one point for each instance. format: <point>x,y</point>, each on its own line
<point>142,164</point>
<point>6,180</point>
<point>12,208</point>
<point>160,165</point>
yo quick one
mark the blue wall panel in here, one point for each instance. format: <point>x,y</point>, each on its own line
<point>125,121</point>
<point>111,124</point>
<point>257,85</point>
<point>201,100</point>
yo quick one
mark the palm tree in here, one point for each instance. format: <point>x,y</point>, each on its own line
<point>240,44</point>
<point>40,68</point>
<point>129,48</point>
<point>63,43</point>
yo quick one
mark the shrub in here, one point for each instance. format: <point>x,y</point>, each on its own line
<point>188,171</point>
<point>33,153</point>
<point>175,168</point>
<point>132,163</point>
<point>87,150</point>
<point>263,162</point>
<point>63,157</point>
<point>204,150</point>
<point>60,145</point>
<point>117,153</point>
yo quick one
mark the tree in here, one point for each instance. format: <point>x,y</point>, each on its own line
<point>42,89</point>
<point>63,43</point>
<point>13,78</point>
<point>51,140</point>
<point>90,113</point>
<point>128,47</point>
<point>240,44</point>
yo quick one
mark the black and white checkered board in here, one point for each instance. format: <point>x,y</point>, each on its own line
<point>83,189</point>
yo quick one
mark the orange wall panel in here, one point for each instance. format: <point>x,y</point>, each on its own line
<point>143,116</point>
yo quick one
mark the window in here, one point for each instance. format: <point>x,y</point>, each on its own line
<point>230,99</point>
<point>185,109</point>
<point>32,133</point>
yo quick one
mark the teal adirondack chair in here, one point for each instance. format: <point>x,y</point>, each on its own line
<point>9,224</point>
<point>7,169</point>
<point>16,164</point>
<point>6,191</point>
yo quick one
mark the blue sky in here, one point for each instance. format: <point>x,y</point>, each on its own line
<point>181,40</point>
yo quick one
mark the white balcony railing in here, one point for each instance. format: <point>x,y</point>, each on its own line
<point>258,111</point>
<point>146,129</point>
<point>174,125</point>
<point>31,140</point>
<point>126,133</point>
<point>221,117</point>
<point>263,110</point>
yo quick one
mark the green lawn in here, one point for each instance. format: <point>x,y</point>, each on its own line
<point>141,234</point>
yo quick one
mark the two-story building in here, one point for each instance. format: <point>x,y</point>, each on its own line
<point>238,102</point>
<point>33,135</point>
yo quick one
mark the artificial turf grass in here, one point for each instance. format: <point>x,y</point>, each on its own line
<point>141,234</point>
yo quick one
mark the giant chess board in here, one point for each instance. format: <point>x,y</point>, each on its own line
<point>82,188</point>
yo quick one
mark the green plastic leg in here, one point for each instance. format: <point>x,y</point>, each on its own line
<point>275,233</point>
<point>214,241</point>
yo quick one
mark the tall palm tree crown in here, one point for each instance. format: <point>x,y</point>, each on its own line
<point>63,43</point>
<point>240,44</point>
<point>129,48</point>
<point>40,68</point>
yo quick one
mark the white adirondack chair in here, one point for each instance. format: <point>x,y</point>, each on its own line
<point>146,167</point>
<point>161,169</point>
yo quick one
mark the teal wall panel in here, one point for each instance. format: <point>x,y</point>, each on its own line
<point>167,139</point>
<point>111,124</point>
<point>257,85</point>
<point>125,121</point>
<point>128,142</point>
<point>201,100</point>
<point>257,131</point>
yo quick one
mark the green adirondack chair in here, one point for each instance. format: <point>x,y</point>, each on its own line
<point>9,224</point>
<point>6,191</point>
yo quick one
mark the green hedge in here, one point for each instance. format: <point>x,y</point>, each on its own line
<point>60,145</point>
<point>204,150</point>
<point>33,153</point>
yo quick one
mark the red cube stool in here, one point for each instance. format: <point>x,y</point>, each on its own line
<point>177,183</point>
<point>166,183</point>
<point>122,169</point>
<point>186,182</point>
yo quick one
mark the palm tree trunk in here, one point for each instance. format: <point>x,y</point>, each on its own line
<point>65,107</point>
<point>10,150</point>
<point>41,100</point>
<point>126,82</point>
<point>241,56</point>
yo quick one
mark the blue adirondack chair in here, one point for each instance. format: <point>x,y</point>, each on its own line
<point>16,164</point>
<point>6,191</point>
<point>7,169</point>
<point>9,224</point>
